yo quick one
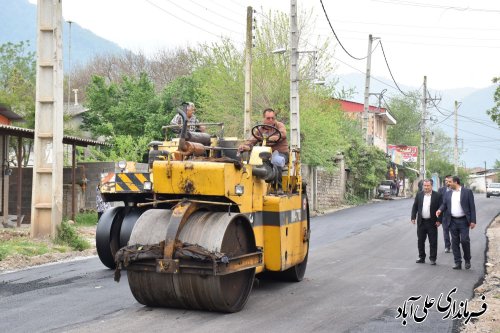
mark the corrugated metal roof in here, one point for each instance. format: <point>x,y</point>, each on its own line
<point>30,134</point>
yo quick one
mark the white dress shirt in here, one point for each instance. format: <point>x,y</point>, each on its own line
<point>426,206</point>
<point>456,207</point>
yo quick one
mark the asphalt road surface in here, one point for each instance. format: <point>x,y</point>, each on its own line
<point>361,271</point>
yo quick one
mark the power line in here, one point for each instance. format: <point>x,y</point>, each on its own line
<point>217,13</point>
<point>419,26</point>
<point>336,37</point>
<point>482,136</point>
<point>180,19</point>
<point>418,36</point>
<point>427,5</point>
<point>200,17</point>
<point>389,68</point>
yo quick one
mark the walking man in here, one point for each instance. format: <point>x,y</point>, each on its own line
<point>459,206</point>
<point>445,219</point>
<point>424,211</point>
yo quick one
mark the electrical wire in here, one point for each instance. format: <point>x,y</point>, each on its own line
<point>217,13</point>
<point>462,130</point>
<point>200,17</point>
<point>427,5</point>
<point>335,34</point>
<point>389,68</point>
<point>180,19</point>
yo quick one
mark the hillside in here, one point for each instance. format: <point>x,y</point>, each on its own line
<point>18,19</point>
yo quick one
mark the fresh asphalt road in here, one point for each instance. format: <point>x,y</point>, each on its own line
<point>361,269</point>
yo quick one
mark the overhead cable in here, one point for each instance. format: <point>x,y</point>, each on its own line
<point>335,34</point>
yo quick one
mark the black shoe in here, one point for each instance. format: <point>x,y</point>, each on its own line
<point>420,261</point>
<point>447,250</point>
<point>457,266</point>
<point>433,262</point>
<point>467,265</point>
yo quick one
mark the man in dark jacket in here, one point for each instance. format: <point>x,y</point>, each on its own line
<point>459,206</point>
<point>445,220</point>
<point>424,211</point>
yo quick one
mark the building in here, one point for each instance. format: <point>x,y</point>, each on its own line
<point>378,120</point>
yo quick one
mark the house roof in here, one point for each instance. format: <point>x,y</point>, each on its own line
<point>8,113</point>
<point>349,106</point>
<point>30,134</point>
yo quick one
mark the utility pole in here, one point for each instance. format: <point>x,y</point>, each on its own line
<point>69,64</point>
<point>248,73</point>
<point>294,78</point>
<point>364,120</point>
<point>47,195</point>
<point>423,130</point>
<point>455,151</point>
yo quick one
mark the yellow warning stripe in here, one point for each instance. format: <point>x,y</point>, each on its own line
<point>128,182</point>
<point>141,177</point>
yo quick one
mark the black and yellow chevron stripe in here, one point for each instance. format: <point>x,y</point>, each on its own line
<point>130,182</point>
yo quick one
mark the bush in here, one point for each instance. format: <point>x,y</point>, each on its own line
<point>66,234</point>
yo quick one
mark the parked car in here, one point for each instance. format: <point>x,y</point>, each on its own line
<point>386,188</point>
<point>493,189</point>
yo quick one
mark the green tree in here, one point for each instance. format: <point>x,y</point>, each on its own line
<point>367,167</point>
<point>129,108</point>
<point>494,112</point>
<point>18,80</point>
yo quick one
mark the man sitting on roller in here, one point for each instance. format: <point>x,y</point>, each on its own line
<point>275,134</point>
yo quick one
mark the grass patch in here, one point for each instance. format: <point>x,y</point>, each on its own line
<point>22,246</point>
<point>67,235</point>
<point>86,219</point>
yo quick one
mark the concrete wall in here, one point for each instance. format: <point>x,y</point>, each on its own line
<point>325,189</point>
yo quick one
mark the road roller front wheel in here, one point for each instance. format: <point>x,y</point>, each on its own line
<point>215,231</point>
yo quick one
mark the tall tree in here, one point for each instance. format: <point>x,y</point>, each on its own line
<point>494,112</point>
<point>18,80</point>
<point>130,108</point>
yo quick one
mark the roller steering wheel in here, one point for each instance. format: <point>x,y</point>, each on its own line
<point>261,136</point>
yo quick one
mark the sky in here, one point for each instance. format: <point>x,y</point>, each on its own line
<point>455,43</point>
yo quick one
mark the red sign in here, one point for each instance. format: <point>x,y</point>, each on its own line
<point>402,153</point>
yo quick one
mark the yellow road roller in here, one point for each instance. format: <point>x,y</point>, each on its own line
<point>197,226</point>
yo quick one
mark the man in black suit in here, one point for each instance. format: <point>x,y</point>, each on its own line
<point>445,219</point>
<point>460,207</point>
<point>425,206</point>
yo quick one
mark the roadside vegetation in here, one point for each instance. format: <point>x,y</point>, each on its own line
<point>69,238</point>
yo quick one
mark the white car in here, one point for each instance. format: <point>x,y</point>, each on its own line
<point>493,189</point>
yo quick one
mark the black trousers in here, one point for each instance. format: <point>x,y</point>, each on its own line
<point>459,228</point>
<point>424,229</point>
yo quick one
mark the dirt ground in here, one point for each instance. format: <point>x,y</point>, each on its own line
<point>489,322</point>
<point>16,262</point>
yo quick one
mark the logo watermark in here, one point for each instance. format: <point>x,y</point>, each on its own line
<point>451,308</point>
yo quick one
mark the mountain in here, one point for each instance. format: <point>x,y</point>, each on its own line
<point>18,23</point>
<point>479,136</point>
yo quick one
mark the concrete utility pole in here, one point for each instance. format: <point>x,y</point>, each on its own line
<point>248,74</point>
<point>69,64</point>
<point>455,151</point>
<point>423,130</point>
<point>294,78</point>
<point>46,212</point>
<point>364,120</point>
